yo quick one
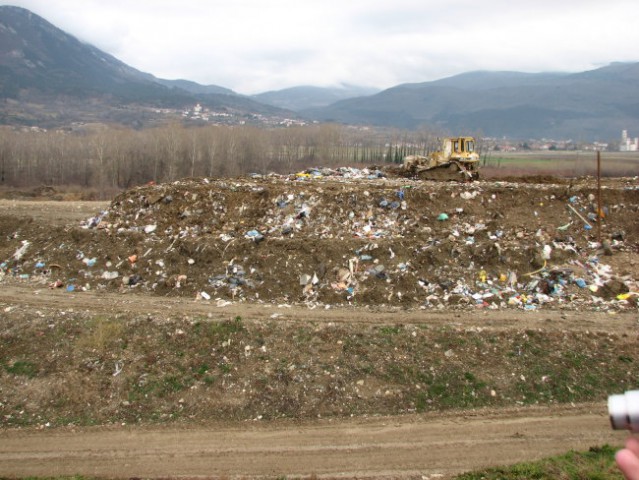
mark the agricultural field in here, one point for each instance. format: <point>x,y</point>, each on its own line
<point>334,324</point>
<point>560,163</point>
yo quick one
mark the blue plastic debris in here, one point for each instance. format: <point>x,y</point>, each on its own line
<point>254,235</point>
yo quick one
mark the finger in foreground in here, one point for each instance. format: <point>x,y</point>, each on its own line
<point>628,463</point>
<point>632,444</point>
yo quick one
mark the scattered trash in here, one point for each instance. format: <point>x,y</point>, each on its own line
<point>586,224</point>
<point>21,251</point>
<point>89,262</point>
<point>469,195</point>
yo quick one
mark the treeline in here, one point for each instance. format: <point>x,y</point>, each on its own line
<point>111,158</point>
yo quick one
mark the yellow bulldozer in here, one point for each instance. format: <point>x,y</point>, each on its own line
<point>457,160</point>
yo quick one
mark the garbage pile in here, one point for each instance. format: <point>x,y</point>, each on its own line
<point>332,237</point>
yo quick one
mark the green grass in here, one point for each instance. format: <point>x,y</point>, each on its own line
<point>215,330</point>
<point>596,464</point>
<point>389,331</point>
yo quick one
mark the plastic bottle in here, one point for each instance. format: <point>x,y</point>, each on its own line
<point>624,411</point>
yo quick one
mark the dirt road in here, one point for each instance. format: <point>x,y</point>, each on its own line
<point>430,446</point>
<point>51,212</point>
<point>25,296</point>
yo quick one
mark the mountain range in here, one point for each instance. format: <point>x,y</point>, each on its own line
<point>595,104</point>
<point>50,78</point>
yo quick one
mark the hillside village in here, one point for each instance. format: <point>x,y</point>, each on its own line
<point>202,114</point>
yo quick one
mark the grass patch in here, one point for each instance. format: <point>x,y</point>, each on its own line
<point>598,463</point>
<point>389,331</point>
<point>217,330</point>
<point>22,368</point>
<point>160,388</point>
<point>101,334</point>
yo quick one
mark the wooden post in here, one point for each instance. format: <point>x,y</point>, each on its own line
<point>599,212</point>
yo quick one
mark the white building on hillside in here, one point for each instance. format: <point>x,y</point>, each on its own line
<point>628,144</point>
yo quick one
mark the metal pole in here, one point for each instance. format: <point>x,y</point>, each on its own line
<point>599,197</point>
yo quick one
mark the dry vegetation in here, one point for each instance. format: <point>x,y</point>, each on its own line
<point>112,159</point>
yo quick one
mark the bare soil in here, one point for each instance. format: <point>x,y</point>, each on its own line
<point>276,375</point>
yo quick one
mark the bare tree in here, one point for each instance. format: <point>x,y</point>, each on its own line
<point>111,158</point>
<point>211,142</point>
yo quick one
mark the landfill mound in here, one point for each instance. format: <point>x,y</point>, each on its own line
<point>346,237</point>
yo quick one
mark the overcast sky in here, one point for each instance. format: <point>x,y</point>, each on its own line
<point>252,46</point>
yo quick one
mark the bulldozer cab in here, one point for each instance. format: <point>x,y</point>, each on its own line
<point>463,145</point>
<point>462,148</point>
<point>458,145</point>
